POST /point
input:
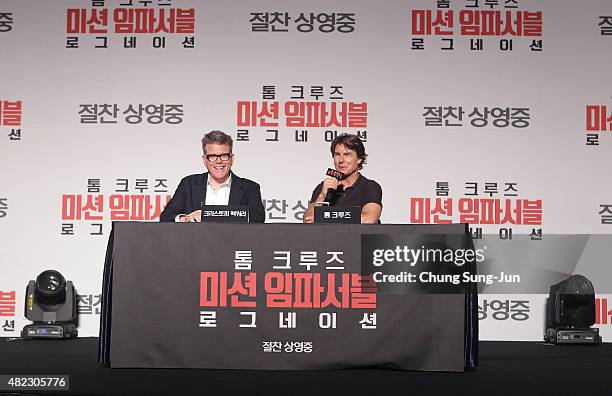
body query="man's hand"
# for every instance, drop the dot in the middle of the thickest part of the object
(193, 217)
(329, 182)
(309, 216)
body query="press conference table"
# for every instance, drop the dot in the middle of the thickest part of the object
(207, 296)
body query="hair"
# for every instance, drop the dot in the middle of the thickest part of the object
(351, 142)
(217, 137)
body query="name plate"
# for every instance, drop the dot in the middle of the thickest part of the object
(225, 214)
(337, 214)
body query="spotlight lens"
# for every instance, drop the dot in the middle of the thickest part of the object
(50, 283)
(581, 288)
(578, 284)
(50, 288)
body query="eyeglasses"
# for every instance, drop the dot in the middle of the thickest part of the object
(213, 157)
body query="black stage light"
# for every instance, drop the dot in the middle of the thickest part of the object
(570, 312)
(51, 304)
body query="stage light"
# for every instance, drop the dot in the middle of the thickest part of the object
(50, 288)
(51, 304)
(570, 312)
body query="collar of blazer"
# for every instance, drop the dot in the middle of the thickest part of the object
(235, 196)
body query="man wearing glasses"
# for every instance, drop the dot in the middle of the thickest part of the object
(219, 186)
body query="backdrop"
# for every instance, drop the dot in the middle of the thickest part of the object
(496, 113)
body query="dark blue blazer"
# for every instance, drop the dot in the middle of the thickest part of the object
(191, 192)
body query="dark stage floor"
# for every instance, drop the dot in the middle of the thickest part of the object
(518, 368)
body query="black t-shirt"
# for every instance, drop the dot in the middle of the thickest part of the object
(362, 192)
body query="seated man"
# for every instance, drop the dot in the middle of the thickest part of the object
(355, 189)
(219, 186)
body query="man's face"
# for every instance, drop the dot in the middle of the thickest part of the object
(217, 167)
(345, 160)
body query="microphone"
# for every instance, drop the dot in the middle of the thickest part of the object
(330, 196)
